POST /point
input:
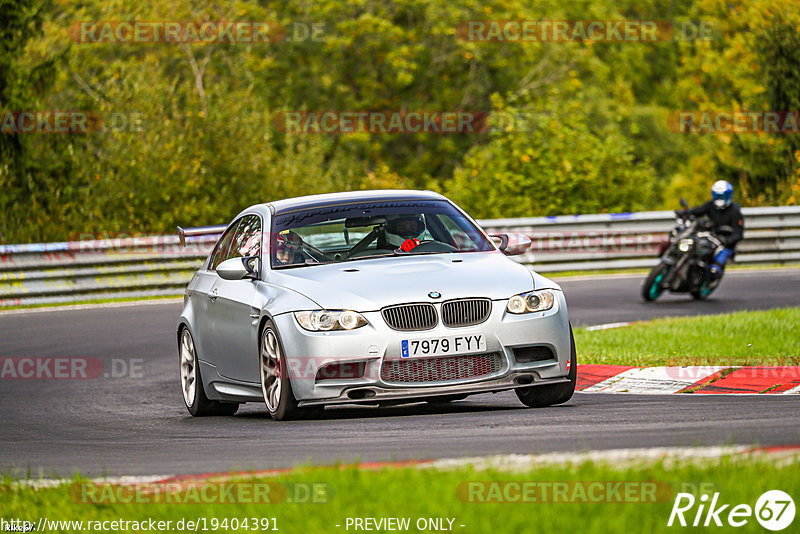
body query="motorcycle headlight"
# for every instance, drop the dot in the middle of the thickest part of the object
(685, 244)
(533, 301)
(325, 320)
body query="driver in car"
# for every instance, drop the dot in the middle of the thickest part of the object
(286, 251)
(722, 212)
(408, 228)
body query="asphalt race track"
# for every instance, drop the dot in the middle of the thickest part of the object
(136, 424)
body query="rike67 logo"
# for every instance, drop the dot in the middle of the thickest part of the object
(774, 510)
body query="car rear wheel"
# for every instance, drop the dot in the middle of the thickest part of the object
(194, 396)
(275, 383)
(539, 396)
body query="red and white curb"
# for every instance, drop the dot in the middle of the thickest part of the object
(689, 379)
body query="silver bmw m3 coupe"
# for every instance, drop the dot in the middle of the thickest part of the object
(371, 297)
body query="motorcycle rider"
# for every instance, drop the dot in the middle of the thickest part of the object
(722, 211)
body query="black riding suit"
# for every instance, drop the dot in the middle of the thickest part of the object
(730, 216)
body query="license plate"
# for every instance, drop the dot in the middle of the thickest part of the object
(443, 346)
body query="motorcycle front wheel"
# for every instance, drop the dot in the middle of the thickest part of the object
(652, 288)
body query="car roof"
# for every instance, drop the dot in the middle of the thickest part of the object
(332, 199)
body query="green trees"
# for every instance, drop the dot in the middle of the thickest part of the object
(554, 164)
(753, 64)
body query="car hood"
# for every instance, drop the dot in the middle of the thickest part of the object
(371, 284)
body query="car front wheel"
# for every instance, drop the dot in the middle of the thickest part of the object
(275, 383)
(539, 396)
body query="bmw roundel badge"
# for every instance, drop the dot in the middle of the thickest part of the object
(434, 294)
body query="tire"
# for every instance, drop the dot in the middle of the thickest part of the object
(276, 386)
(194, 396)
(541, 396)
(705, 289)
(650, 288)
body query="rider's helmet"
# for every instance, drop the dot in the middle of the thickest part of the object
(722, 194)
(406, 226)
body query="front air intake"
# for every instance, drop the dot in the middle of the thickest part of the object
(465, 312)
(410, 317)
(442, 369)
(537, 353)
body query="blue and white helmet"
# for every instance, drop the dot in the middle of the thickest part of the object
(722, 194)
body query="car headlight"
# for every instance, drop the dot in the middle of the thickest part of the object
(325, 320)
(533, 301)
(685, 244)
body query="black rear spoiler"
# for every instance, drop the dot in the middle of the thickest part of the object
(183, 233)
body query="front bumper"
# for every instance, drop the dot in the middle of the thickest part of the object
(376, 343)
(377, 394)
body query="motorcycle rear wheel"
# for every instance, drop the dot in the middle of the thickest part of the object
(705, 289)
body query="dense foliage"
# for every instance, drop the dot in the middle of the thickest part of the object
(201, 140)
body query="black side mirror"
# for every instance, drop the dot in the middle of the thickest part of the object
(684, 204)
(253, 265)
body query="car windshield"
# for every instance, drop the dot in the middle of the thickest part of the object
(371, 229)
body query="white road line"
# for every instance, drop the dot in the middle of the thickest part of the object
(607, 326)
(520, 462)
(41, 483)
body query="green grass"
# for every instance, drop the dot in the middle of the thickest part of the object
(743, 338)
(416, 493)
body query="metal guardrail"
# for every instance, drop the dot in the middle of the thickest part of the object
(633, 240)
(159, 265)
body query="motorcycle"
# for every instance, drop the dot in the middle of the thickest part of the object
(684, 261)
